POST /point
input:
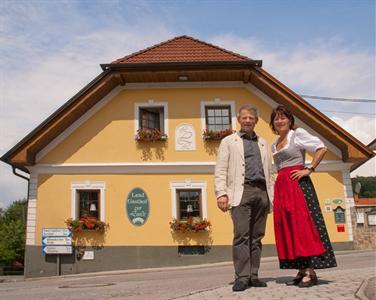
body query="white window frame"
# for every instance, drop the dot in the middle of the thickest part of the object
(88, 185)
(188, 185)
(218, 102)
(150, 104)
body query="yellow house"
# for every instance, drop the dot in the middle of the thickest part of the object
(136, 149)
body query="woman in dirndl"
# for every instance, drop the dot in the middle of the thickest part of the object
(302, 240)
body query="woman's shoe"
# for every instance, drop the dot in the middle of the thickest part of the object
(311, 282)
(296, 280)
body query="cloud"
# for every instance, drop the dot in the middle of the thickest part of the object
(49, 52)
(317, 67)
(364, 129)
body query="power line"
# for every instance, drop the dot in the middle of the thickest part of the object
(338, 99)
(347, 112)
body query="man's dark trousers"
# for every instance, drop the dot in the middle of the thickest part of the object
(249, 219)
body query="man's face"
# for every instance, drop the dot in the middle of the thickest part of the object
(247, 121)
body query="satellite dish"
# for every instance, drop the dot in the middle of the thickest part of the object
(357, 188)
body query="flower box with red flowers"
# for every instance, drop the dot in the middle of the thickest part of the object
(211, 135)
(192, 224)
(86, 223)
(150, 135)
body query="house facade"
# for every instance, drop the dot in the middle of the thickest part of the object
(134, 152)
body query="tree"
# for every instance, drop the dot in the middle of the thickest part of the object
(12, 233)
(368, 186)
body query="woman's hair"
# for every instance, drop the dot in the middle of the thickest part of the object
(281, 110)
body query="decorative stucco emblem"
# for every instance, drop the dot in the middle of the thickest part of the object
(185, 138)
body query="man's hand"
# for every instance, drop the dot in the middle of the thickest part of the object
(223, 203)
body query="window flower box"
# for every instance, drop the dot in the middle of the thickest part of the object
(211, 135)
(150, 135)
(193, 224)
(86, 223)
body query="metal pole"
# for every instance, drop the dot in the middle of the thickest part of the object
(58, 265)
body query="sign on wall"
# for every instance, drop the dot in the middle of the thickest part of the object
(339, 215)
(57, 241)
(137, 206)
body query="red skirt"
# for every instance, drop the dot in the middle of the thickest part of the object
(295, 232)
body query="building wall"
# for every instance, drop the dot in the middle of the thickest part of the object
(364, 234)
(55, 200)
(108, 136)
(101, 149)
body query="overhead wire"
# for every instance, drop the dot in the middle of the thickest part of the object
(342, 100)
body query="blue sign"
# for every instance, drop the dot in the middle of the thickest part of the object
(137, 206)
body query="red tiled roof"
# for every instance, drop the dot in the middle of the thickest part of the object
(365, 201)
(181, 49)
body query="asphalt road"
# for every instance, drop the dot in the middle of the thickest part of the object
(161, 283)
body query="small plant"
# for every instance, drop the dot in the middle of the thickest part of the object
(193, 224)
(211, 135)
(86, 223)
(150, 135)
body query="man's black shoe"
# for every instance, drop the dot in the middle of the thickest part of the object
(257, 283)
(239, 286)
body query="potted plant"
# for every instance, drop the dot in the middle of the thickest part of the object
(192, 224)
(86, 223)
(211, 135)
(150, 135)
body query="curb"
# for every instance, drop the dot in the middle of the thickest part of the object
(362, 291)
(160, 269)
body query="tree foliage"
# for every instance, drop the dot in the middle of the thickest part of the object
(368, 186)
(12, 233)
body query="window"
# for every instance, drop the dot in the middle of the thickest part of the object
(88, 203)
(371, 217)
(151, 115)
(151, 118)
(88, 198)
(189, 203)
(188, 198)
(218, 118)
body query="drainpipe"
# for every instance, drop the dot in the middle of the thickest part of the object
(28, 187)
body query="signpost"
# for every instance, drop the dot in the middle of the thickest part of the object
(57, 241)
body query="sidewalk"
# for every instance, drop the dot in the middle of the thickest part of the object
(332, 285)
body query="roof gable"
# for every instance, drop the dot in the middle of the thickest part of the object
(199, 62)
(181, 49)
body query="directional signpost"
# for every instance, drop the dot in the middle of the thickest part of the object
(57, 241)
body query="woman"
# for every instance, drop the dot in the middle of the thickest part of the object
(301, 237)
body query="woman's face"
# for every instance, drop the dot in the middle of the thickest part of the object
(281, 123)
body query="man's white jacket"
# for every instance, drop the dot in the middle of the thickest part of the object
(230, 169)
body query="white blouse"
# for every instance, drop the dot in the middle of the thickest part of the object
(303, 140)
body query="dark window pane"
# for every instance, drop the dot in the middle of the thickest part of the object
(88, 203)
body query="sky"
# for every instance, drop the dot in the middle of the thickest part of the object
(49, 50)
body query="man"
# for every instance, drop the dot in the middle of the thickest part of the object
(243, 183)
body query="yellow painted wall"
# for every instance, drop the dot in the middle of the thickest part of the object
(54, 206)
(108, 136)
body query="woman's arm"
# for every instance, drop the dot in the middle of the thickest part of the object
(317, 157)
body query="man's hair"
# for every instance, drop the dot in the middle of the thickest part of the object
(249, 108)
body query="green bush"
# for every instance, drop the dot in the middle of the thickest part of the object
(12, 233)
